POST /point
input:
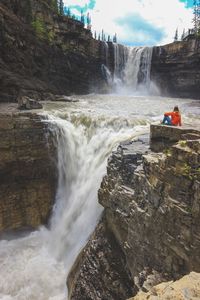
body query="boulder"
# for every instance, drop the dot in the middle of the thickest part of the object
(26, 103)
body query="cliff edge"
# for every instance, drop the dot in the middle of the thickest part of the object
(151, 200)
(43, 53)
(176, 69)
(28, 170)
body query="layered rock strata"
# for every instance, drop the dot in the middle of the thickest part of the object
(27, 171)
(102, 256)
(152, 209)
(176, 68)
(43, 53)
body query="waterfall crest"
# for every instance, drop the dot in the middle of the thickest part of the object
(131, 69)
(83, 146)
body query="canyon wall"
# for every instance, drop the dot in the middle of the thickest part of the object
(28, 172)
(43, 53)
(176, 69)
(151, 210)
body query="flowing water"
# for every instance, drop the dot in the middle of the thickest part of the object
(35, 266)
(131, 71)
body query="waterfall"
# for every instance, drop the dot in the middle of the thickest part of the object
(131, 69)
(105, 50)
(137, 69)
(145, 67)
(35, 265)
(120, 54)
(83, 147)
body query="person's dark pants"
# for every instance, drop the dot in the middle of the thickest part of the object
(167, 120)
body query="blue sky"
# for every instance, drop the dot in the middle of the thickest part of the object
(137, 22)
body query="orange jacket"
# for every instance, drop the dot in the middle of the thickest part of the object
(175, 117)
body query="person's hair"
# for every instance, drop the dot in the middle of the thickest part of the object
(176, 108)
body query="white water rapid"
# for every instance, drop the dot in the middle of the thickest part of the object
(35, 266)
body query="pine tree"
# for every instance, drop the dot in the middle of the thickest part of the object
(60, 7)
(196, 18)
(176, 35)
(115, 38)
(95, 35)
(68, 12)
(183, 35)
(82, 18)
(102, 35)
(88, 21)
(108, 38)
(54, 5)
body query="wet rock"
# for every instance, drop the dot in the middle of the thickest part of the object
(100, 271)
(25, 103)
(64, 98)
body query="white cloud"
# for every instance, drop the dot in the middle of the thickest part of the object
(164, 14)
(76, 2)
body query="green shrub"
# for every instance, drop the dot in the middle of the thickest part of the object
(39, 27)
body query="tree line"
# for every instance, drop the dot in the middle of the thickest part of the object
(195, 31)
(62, 10)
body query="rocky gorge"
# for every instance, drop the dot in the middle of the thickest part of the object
(149, 229)
(43, 54)
(151, 212)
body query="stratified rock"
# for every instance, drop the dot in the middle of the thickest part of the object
(25, 103)
(43, 53)
(100, 270)
(28, 171)
(151, 215)
(152, 208)
(176, 68)
(163, 136)
(188, 287)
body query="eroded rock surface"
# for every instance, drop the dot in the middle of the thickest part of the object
(152, 208)
(176, 68)
(102, 256)
(187, 288)
(27, 171)
(43, 53)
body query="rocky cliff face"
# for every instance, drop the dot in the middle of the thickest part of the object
(43, 53)
(27, 171)
(152, 209)
(176, 68)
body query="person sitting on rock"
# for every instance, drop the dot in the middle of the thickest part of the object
(172, 118)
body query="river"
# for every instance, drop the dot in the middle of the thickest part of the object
(34, 266)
